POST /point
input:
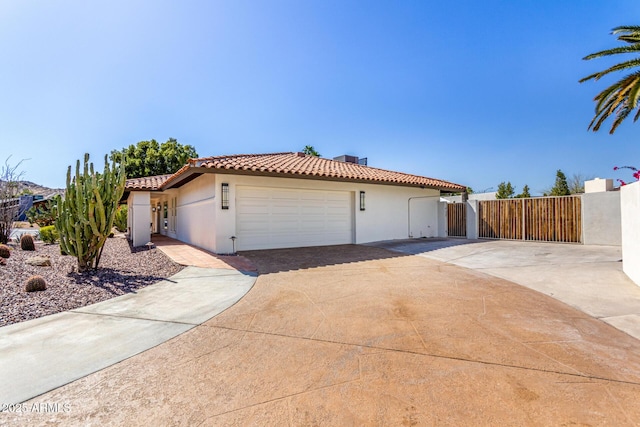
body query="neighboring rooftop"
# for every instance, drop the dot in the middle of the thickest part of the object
(290, 165)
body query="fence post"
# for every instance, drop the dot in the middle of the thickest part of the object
(472, 219)
(524, 219)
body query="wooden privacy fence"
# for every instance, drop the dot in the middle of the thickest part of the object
(457, 219)
(547, 219)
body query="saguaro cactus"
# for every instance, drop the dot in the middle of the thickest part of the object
(85, 216)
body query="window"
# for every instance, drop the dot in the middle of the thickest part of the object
(225, 195)
(362, 200)
(165, 211)
(174, 213)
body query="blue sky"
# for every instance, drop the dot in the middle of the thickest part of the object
(475, 92)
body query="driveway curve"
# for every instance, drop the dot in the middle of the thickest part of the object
(353, 335)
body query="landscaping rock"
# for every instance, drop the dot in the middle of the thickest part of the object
(39, 261)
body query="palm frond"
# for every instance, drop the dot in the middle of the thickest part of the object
(622, 114)
(632, 63)
(603, 97)
(614, 51)
(626, 29)
(634, 90)
(621, 98)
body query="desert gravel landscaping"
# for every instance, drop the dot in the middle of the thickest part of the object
(122, 270)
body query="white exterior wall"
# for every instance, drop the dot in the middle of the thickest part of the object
(423, 216)
(630, 213)
(385, 217)
(598, 185)
(472, 219)
(601, 223)
(196, 219)
(443, 225)
(139, 217)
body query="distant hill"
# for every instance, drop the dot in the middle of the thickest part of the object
(37, 189)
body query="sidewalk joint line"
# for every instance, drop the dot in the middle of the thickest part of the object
(122, 316)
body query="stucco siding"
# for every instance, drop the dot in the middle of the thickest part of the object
(386, 214)
(630, 209)
(196, 213)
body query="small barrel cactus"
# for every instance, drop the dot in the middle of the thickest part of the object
(26, 243)
(5, 251)
(35, 283)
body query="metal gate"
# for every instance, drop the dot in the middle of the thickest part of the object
(546, 219)
(457, 219)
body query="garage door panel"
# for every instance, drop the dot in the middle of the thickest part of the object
(279, 218)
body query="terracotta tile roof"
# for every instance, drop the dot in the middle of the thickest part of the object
(146, 183)
(298, 164)
(292, 164)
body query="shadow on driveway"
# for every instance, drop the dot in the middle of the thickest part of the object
(280, 260)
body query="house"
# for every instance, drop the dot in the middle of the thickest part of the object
(266, 201)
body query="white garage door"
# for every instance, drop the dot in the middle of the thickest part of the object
(269, 218)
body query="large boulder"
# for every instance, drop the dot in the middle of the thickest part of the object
(39, 261)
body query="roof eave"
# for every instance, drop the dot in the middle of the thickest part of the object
(194, 172)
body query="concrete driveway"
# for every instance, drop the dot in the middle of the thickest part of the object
(353, 335)
(589, 278)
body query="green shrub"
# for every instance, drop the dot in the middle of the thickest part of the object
(49, 234)
(120, 220)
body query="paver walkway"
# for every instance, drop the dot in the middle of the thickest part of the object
(186, 254)
(351, 335)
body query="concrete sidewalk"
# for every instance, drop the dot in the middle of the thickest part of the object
(586, 277)
(43, 354)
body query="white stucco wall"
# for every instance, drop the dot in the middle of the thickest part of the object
(202, 222)
(472, 219)
(442, 219)
(601, 224)
(139, 217)
(423, 216)
(630, 214)
(196, 219)
(392, 212)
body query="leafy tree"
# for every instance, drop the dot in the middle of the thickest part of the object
(525, 193)
(621, 98)
(310, 151)
(85, 217)
(505, 190)
(560, 188)
(149, 158)
(9, 191)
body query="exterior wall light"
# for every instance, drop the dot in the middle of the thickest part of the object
(362, 200)
(225, 195)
